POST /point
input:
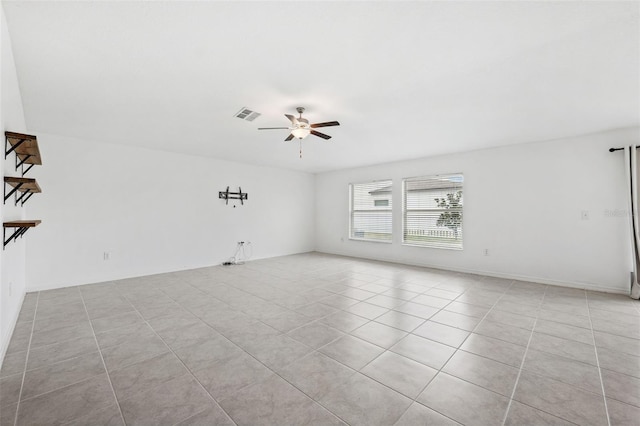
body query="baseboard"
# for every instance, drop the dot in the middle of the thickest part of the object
(13, 321)
(539, 280)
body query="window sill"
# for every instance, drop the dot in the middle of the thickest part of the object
(370, 241)
(433, 247)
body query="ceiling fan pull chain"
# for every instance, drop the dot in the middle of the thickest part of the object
(300, 140)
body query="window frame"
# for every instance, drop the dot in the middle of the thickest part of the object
(388, 208)
(404, 213)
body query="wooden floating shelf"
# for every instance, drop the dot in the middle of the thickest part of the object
(25, 147)
(26, 186)
(21, 227)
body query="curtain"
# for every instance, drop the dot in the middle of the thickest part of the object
(631, 163)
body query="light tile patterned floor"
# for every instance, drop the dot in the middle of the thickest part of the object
(319, 339)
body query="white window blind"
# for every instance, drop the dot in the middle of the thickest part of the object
(370, 211)
(432, 213)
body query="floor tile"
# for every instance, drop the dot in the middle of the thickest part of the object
(417, 310)
(344, 321)
(497, 330)
(467, 309)
(10, 389)
(228, 376)
(450, 336)
(619, 362)
(426, 351)
(54, 376)
(43, 338)
(13, 363)
(400, 373)
(464, 402)
(135, 378)
(316, 374)
(214, 415)
(400, 320)
(367, 310)
(560, 399)
(276, 402)
(498, 350)
(514, 320)
(565, 331)
(520, 414)
(45, 355)
(363, 401)
(286, 322)
(206, 352)
(621, 387)
(566, 348)
(617, 343)
(8, 415)
(176, 337)
(622, 414)
(434, 302)
(278, 351)
(116, 321)
(66, 404)
(453, 319)
(565, 370)
(108, 416)
(352, 352)
(489, 374)
(124, 335)
(315, 334)
(419, 415)
(379, 334)
(131, 352)
(168, 403)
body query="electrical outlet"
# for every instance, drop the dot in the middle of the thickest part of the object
(106, 255)
(486, 252)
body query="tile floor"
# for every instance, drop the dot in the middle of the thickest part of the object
(319, 339)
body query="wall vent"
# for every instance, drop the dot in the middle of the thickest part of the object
(246, 114)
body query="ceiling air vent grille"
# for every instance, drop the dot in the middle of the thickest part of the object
(246, 114)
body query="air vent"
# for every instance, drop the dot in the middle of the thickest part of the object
(246, 114)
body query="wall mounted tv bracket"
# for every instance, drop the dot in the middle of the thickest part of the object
(226, 195)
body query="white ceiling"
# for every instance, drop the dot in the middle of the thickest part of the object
(405, 79)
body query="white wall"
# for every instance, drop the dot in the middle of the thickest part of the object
(523, 203)
(12, 260)
(155, 212)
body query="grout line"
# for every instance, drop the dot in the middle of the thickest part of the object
(524, 358)
(102, 359)
(24, 372)
(595, 349)
(415, 400)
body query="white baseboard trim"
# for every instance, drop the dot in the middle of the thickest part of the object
(517, 277)
(12, 326)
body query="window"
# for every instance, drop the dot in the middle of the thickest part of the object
(432, 214)
(370, 210)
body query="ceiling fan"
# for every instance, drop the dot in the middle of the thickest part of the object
(300, 127)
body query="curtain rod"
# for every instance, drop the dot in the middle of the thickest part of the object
(620, 149)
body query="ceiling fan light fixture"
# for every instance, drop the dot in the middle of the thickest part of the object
(301, 133)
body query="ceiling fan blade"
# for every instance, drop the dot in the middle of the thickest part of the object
(322, 135)
(294, 120)
(325, 124)
(272, 128)
(289, 137)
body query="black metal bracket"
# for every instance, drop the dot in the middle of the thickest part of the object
(8, 150)
(19, 232)
(20, 164)
(13, 191)
(226, 195)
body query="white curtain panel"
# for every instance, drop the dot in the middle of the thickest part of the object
(631, 163)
